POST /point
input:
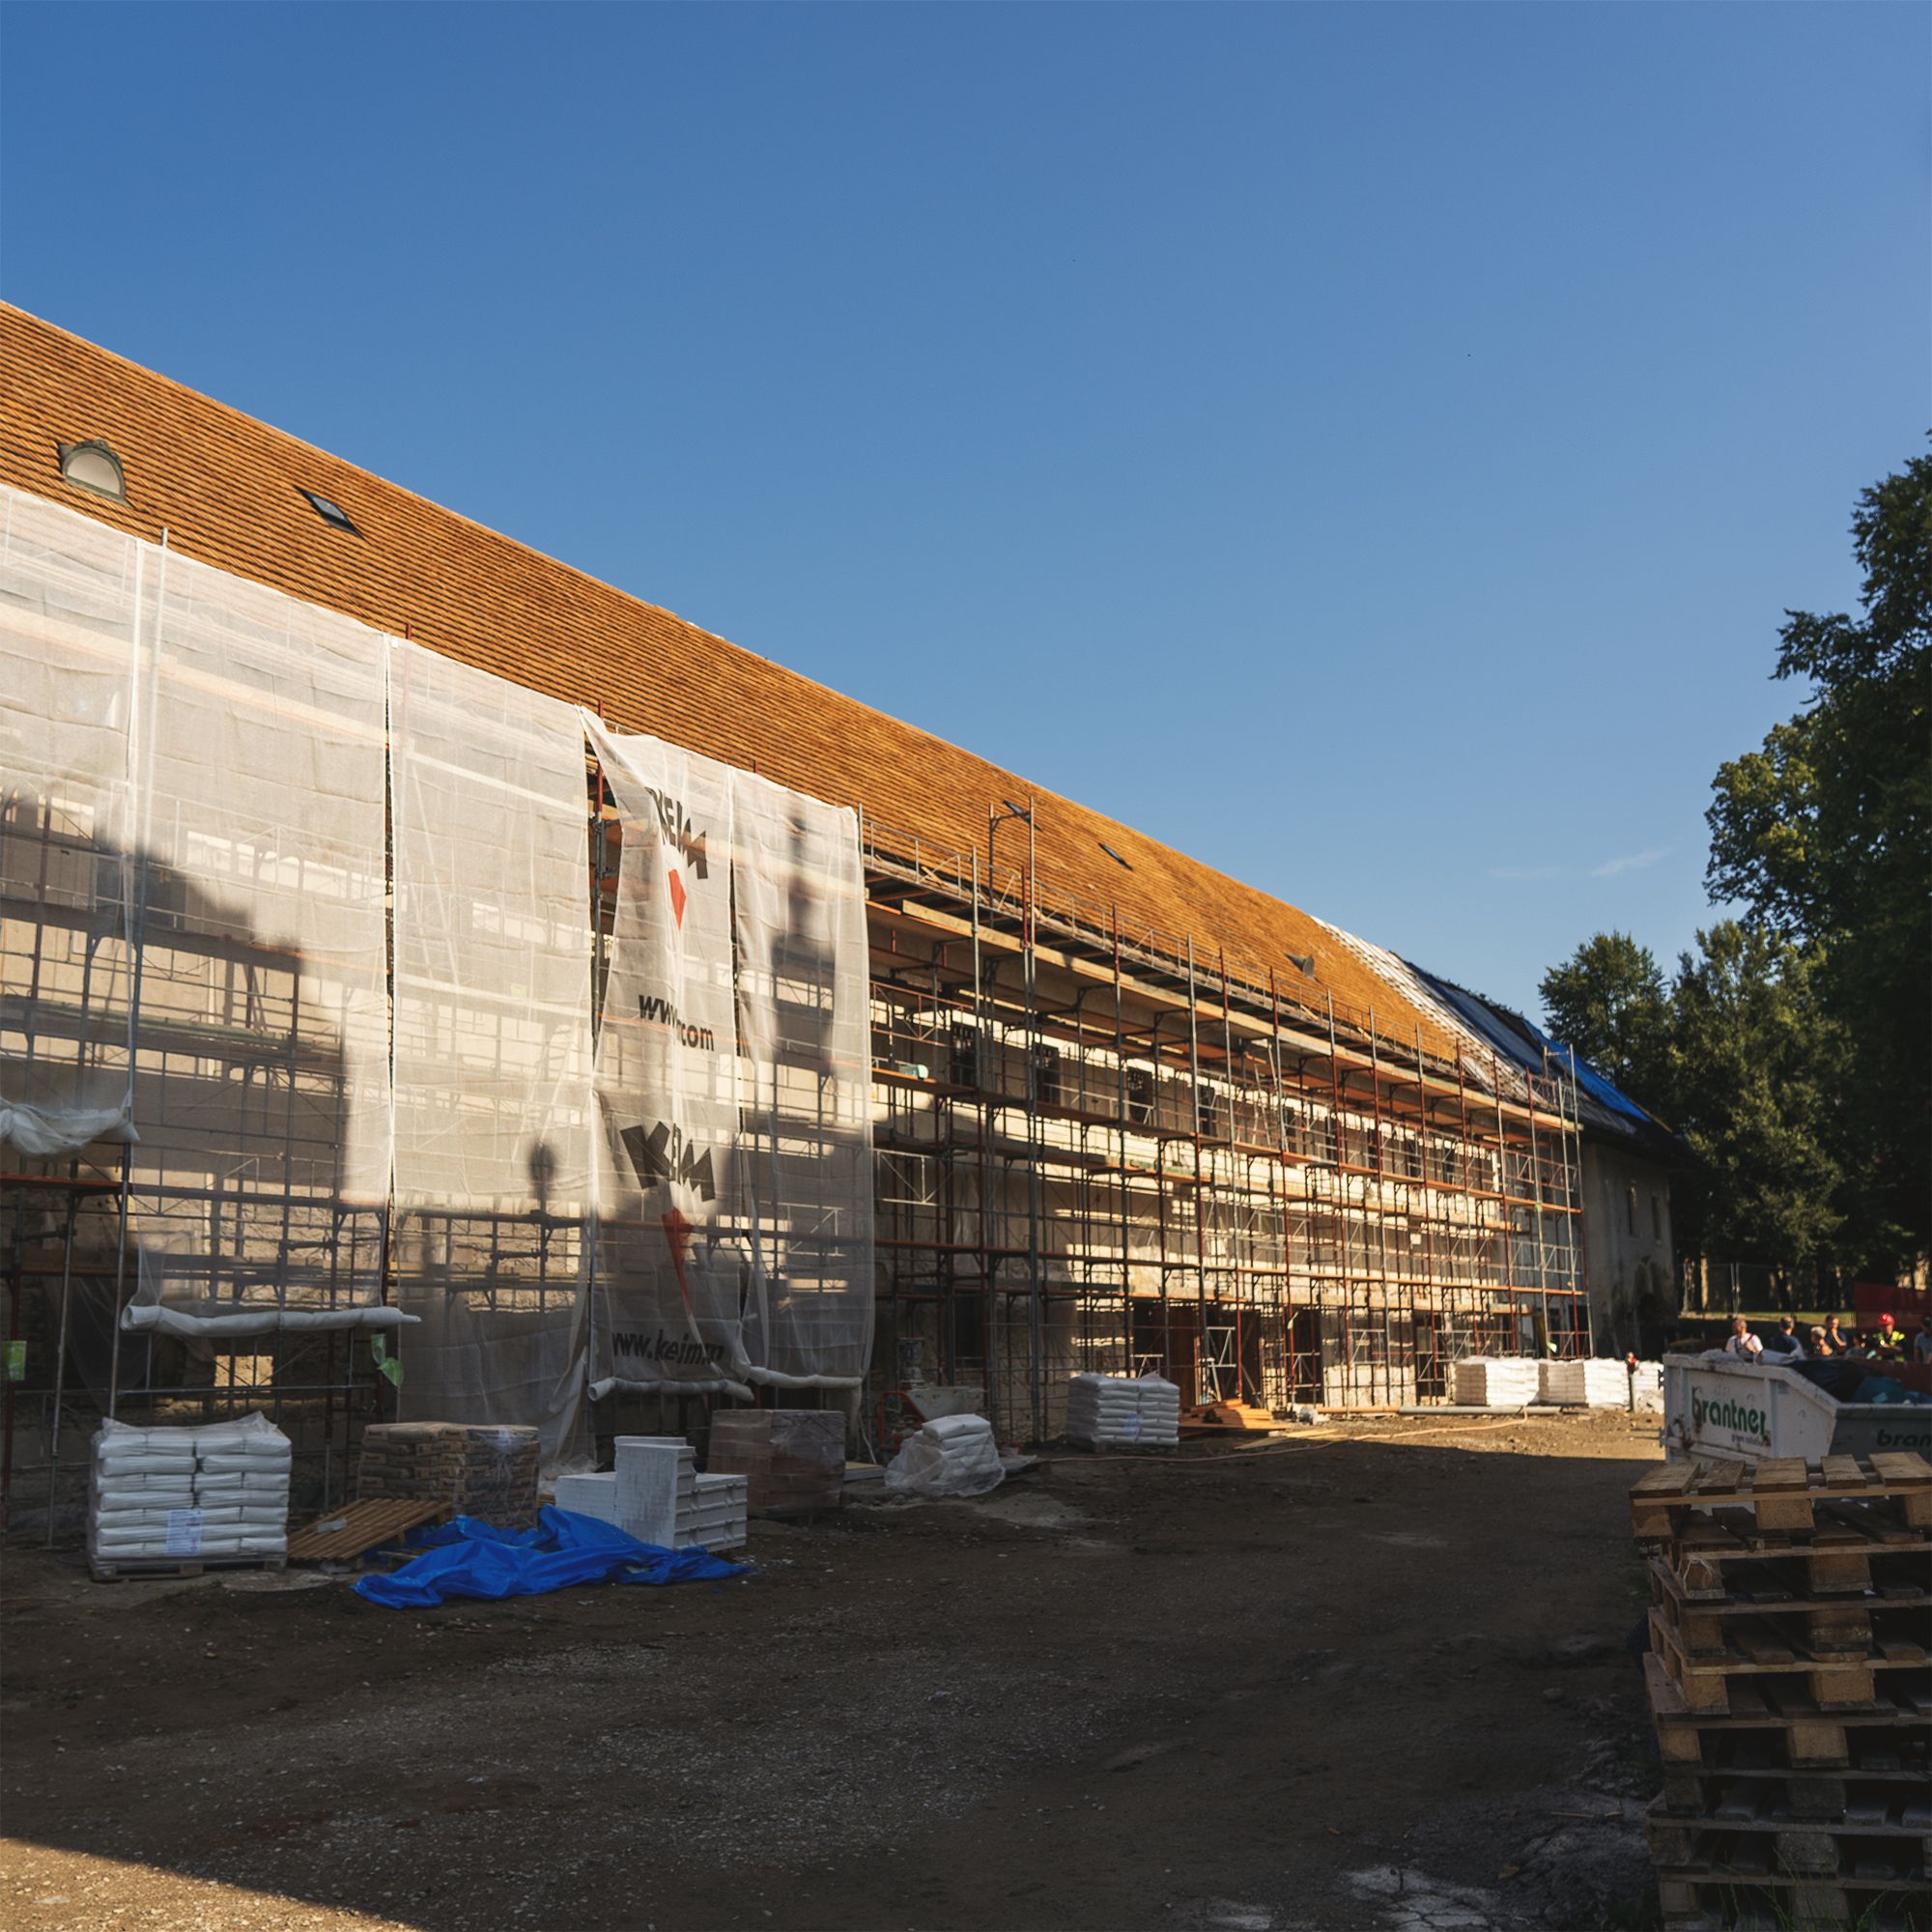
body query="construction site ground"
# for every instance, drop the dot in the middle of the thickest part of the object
(1361, 1676)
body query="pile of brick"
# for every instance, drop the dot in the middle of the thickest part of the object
(792, 1458)
(487, 1470)
(1789, 1681)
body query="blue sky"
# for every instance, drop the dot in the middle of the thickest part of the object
(1370, 447)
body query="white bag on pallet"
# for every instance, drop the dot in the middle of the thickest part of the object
(181, 1495)
(1497, 1381)
(1592, 1383)
(1104, 1411)
(954, 1456)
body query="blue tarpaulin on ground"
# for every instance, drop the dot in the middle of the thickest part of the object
(468, 1558)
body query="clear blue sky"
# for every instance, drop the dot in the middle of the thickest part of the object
(1369, 447)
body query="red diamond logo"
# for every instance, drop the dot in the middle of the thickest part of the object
(678, 896)
(677, 1232)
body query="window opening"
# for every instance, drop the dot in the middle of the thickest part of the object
(93, 466)
(332, 514)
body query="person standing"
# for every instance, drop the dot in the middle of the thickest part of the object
(1742, 1341)
(1784, 1346)
(1835, 1343)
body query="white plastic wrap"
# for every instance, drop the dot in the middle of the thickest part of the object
(806, 1141)
(673, 1257)
(69, 594)
(953, 1457)
(194, 874)
(1104, 1411)
(219, 1491)
(493, 958)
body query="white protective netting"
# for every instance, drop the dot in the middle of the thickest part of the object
(804, 1156)
(672, 1263)
(733, 1085)
(195, 955)
(493, 956)
(211, 794)
(69, 589)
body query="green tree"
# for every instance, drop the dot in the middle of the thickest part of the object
(1607, 1000)
(1826, 834)
(1755, 1065)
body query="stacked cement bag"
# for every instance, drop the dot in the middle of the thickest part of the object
(1585, 1385)
(219, 1493)
(481, 1469)
(952, 1456)
(1495, 1381)
(1123, 1411)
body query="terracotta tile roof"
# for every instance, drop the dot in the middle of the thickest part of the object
(226, 488)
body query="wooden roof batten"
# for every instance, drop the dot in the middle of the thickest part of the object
(228, 492)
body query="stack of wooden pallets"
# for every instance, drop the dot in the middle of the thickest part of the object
(484, 1470)
(1791, 1684)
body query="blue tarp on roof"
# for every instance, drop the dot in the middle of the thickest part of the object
(1525, 1044)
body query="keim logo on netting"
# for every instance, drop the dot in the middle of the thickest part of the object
(663, 1347)
(675, 824)
(656, 1012)
(665, 1152)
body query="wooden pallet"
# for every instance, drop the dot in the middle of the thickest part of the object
(1779, 1494)
(117, 1569)
(1224, 1418)
(1787, 1631)
(341, 1535)
(1699, 1574)
(1779, 1709)
(1901, 1802)
(1712, 1557)
(1736, 1798)
(1710, 1681)
(1695, 1900)
(1893, 1862)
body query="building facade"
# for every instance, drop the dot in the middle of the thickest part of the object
(1127, 1113)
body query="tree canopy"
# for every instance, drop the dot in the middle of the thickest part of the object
(1825, 833)
(1608, 1002)
(1794, 1050)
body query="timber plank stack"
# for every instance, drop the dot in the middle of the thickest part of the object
(481, 1469)
(1791, 1684)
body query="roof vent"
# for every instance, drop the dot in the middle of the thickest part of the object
(93, 466)
(331, 514)
(1303, 963)
(1112, 854)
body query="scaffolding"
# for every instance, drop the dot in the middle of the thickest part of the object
(1093, 1145)
(1097, 1149)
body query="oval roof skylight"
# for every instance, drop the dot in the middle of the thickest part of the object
(93, 466)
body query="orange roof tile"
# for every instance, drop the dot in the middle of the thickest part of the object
(225, 489)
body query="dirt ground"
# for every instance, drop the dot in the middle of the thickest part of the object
(1369, 1677)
